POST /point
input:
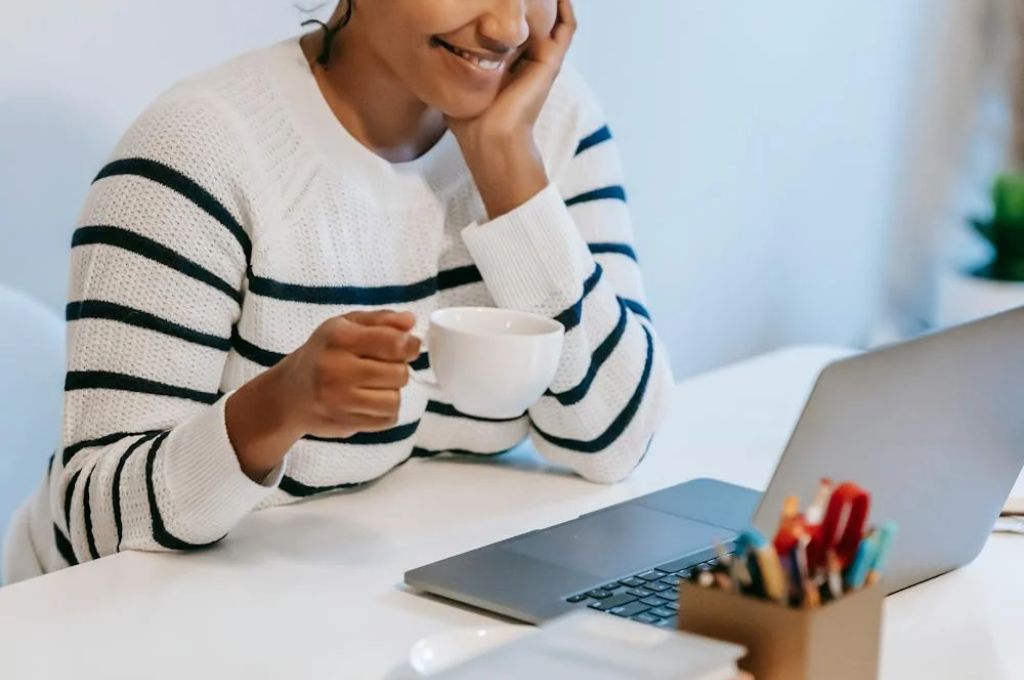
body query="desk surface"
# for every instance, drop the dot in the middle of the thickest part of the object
(314, 590)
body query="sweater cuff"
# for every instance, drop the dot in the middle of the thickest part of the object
(205, 478)
(532, 259)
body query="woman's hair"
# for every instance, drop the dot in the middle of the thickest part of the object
(331, 32)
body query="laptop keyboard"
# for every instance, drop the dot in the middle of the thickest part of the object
(650, 596)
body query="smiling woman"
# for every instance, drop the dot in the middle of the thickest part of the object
(253, 266)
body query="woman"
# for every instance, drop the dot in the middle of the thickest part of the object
(249, 270)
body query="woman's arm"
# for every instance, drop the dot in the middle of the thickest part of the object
(157, 266)
(568, 253)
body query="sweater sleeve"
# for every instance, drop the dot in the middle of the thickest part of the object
(158, 262)
(568, 253)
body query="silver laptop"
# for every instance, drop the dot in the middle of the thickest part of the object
(933, 427)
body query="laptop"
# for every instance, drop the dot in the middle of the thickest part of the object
(932, 427)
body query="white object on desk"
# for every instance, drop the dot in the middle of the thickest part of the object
(441, 651)
(319, 584)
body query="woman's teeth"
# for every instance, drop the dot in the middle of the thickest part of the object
(485, 64)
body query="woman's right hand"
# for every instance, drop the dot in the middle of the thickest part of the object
(346, 378)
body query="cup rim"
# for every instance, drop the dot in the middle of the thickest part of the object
(553, 326)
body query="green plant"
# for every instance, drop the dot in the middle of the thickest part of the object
(1005, 231)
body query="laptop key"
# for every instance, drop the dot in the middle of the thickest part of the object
(657, 586)
(685, 574)
(676, 565)
(629, 610)
(640, 592)
(671, 580)
(662, 612)
(599, 594)
(612, 587)
(652, 575)
(645, 618)
(576, 598)
(632, 582)
(613, 601)
(674, 606)
(670, 622)
(654, 601)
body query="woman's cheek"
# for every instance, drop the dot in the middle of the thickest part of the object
(541, 16)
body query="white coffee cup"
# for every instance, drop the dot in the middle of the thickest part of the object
(491, 363)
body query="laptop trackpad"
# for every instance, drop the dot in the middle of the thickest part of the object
(617, 541)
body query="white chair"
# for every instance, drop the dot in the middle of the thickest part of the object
(31, 387)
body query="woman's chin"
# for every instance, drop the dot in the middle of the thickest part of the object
(465, 107)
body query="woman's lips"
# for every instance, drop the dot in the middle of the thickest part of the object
(489, 63)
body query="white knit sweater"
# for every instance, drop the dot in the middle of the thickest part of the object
(235, 216)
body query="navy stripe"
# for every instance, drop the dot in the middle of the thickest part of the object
(64, 546)
(87, 510)
(613, 248)
(395, 434)
(69, 493)
(614, 192)
(597, 359)
(116, 485)
(152, 250)
(364, 295)
(427, 453)
(263, 357)
(160, 533)
(108, 380)
(599, 137)
(293, 487)
(187, 187)
(100, 309)
(458, 276)
(636, 308)
(421, 363)
(621, 422)
(71, 450)
(448, 410)
(571, 317)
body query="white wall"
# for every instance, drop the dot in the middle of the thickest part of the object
(764, 142)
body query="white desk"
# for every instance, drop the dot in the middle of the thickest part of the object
(314, 591)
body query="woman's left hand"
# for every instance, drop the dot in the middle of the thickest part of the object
(498, 145)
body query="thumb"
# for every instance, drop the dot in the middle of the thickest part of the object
(401, 321)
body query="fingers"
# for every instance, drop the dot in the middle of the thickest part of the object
(382, 404)
(402, 321)
(565, 27)
(384, 343)
(380, 375)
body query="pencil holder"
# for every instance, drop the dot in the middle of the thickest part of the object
(837, 641)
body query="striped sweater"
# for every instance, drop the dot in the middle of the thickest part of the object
(234, 217)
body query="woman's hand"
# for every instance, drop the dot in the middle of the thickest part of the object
(345, 379)
(498, 145)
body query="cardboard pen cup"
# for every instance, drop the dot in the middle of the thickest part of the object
(838, 641)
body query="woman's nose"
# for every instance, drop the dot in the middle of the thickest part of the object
(505, 23)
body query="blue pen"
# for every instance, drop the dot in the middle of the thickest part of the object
(867, 553)
(885, 536)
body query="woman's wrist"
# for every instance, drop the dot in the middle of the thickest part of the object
(508, 170)
(260, 424)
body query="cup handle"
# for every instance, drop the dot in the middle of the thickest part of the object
(431, 387)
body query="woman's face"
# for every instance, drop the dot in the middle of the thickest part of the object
(452, 54)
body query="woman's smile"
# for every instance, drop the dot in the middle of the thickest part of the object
(484, 61)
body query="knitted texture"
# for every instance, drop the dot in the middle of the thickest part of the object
(234, 217)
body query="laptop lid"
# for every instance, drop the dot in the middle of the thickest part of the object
(933, 428)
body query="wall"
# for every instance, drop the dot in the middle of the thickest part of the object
(763, 140)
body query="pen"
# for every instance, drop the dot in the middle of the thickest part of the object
(867, 552)
(816, 510)
(771, 574)
(835, 574)
(885, 535)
